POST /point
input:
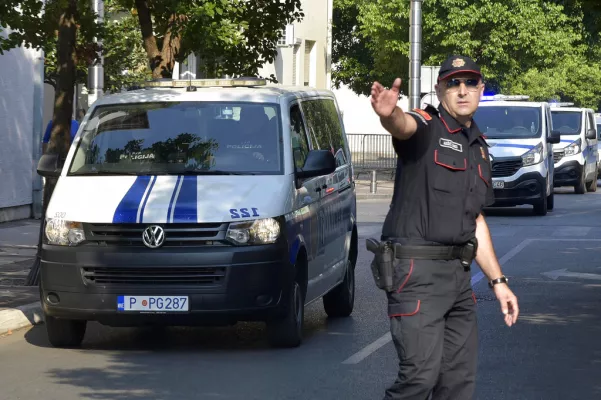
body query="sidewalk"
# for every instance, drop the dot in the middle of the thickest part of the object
(19, 304)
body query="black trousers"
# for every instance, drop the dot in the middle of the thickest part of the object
(434, 329)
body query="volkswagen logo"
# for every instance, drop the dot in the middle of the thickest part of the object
(153, 236)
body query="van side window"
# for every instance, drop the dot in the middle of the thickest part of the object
(300, 145)
(325, 128)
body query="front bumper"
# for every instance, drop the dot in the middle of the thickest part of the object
(568, 174)
(528, 188)
(225, 284)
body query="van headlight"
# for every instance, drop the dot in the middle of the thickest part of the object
(533, 156)
(573, 148)
(64, 233)
(258, 231)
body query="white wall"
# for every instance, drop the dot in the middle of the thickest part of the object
(16, 127)
(313, 27)
(358, 114)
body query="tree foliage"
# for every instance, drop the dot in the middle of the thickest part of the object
(233, 37)
(546, 49)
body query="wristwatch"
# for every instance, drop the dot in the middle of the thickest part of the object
(502, 279)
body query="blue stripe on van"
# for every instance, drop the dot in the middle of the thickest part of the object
(152, 182)
(186, 205)
(179, 178)
(127, 210)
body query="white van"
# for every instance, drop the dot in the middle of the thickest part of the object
(201, 202)
(521, 150)
(576, 157)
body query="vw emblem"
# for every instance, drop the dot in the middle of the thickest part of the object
(153, 236)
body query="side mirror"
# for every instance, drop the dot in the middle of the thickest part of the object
(319, 162)
(48, 166)
(554, 137)
(591, 134)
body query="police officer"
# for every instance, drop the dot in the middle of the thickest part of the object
(436, 229)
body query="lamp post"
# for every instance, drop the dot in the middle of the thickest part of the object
(415, 43)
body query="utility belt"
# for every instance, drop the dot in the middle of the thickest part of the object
(387, 251)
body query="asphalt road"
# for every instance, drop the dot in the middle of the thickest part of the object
(554, 351)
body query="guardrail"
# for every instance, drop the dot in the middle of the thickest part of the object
(372, 152)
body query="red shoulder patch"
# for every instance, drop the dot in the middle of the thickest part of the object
(424, 114)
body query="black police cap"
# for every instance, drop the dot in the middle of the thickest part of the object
(456, 64)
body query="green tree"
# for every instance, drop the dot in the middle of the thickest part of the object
(520, 44)
(234, 37)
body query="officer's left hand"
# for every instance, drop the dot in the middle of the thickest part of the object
(509, 303)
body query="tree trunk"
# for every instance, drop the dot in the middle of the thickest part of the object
(161, 62)
(60, 137)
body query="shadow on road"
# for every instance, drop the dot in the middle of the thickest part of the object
(202, 363)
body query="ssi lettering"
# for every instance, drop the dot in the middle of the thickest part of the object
(60, 215)
(244, 212)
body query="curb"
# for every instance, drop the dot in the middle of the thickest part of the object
(20, 317)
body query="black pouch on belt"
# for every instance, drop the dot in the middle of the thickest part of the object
(382, 267)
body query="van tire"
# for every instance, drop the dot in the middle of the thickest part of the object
(591, 186)
(551, 200)
(541, 207)
(65, 332)
(580, 188)
(287, 330)
(340, 301)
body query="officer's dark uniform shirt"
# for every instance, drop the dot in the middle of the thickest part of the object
(445, 180)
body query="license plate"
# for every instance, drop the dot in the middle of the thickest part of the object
(153, 303)
(498, 184)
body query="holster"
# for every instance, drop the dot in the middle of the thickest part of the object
(382, 267)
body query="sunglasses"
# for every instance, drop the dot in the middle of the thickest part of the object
(471, 84)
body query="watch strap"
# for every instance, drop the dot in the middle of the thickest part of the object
(493, 282)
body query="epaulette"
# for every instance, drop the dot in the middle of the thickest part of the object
(423, 115)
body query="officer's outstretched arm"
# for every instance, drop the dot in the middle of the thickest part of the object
(392, 117)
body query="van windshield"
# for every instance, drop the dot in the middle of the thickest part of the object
(509, 122)
(567, 122)
(165, 138)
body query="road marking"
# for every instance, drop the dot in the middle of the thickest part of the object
(572, 231)
(512, 253)
(564, 272)
(368, 350)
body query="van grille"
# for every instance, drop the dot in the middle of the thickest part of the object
(506, 167)
(176, 235)
(204, 276)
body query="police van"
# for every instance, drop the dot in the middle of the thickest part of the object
(201, 202)
(576, 157)
(521, 140)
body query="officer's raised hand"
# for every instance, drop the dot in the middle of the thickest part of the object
(384, 100)
(393, 119)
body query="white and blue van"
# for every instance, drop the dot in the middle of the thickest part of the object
(521, 140)
(576, 157)
(201, 202)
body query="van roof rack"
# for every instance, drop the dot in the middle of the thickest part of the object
(504, 97)
(192, 84)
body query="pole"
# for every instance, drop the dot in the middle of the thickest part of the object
(415, 41)
(38, 128)
(96, 70)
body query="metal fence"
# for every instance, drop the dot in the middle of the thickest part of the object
(372, 152)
